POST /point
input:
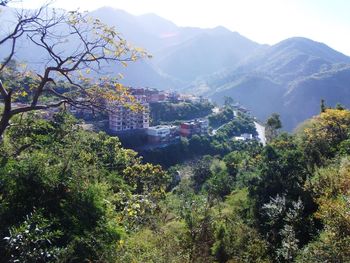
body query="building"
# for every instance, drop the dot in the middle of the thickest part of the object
(244, 137)
(122, 118)
(162, 134)
(150, 95)
(247, 136)
(198, 126)
(173, 97)
(203, 126)
(189, 98)
(240, 108)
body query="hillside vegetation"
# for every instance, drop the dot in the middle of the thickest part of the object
(290, 77)
(69, 195)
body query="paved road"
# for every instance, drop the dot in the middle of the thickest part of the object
(261, 132)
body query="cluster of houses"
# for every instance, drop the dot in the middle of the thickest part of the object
(170, 133)
(123, 119)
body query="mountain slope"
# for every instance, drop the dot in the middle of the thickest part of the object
(305, 94)
(290, 77)
(181, 54)
(206, 53)
(184, 53)
(294, 57)
(300, 71)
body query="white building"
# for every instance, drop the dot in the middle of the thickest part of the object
(244, 137)
(247, 136)
(162, 133)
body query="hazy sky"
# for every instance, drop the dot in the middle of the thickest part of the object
(264, 21)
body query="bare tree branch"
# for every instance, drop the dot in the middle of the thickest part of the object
(70, 42)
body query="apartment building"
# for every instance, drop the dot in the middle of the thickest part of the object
(198, 126)
(122, 118)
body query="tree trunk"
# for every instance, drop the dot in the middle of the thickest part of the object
(6, 114)
(5, 121)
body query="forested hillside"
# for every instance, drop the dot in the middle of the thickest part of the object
(291, 78)
(69, 195)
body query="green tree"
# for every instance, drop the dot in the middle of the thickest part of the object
(220, 183)
(195, 211)
(201, 172)
(330, 188)
(321, 136)
(83, 183)
(282, 174)
(235, 239)
(323, 106)
(339, 106)
(32, 241)
(273, 124)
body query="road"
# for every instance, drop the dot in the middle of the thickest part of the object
(214, 131)
(261, 132)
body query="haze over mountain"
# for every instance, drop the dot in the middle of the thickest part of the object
(181, 52)
(290, 77)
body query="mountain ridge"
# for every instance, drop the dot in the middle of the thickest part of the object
(296, 65)
(217, 62)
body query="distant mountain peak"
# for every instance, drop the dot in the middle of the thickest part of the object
(154, 17)
(109, 10)
(221, 30)
(312, 47)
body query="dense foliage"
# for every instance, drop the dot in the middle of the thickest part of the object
(222, 117)
(198, 145)
(161, 112)
(273, 204)
(68, 195)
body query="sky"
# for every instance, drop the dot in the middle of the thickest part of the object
(263, 21)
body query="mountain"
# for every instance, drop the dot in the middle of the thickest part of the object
(290, 78)
(304, 95)
(294, 57)
(181, 52)
(208, 52)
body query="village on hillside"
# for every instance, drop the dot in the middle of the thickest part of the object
(128, 123)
